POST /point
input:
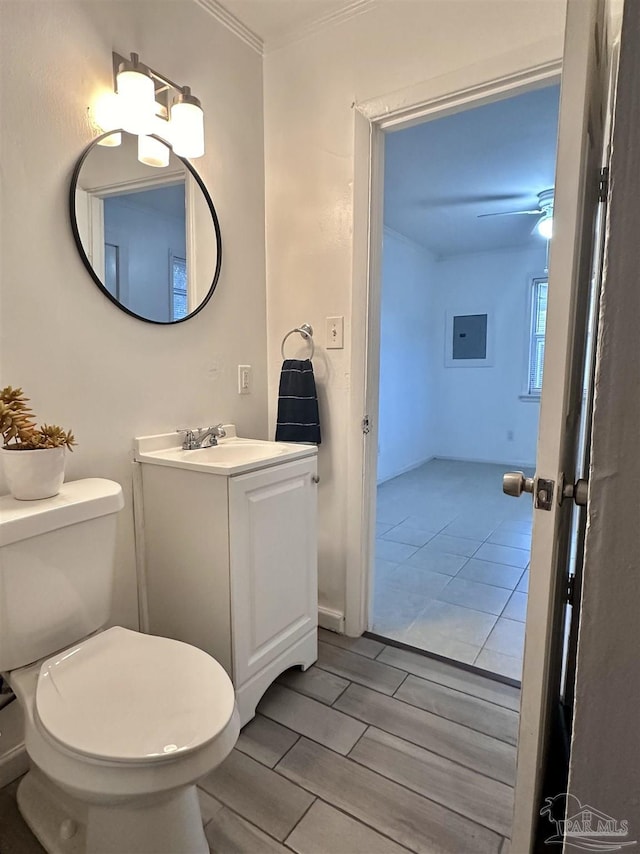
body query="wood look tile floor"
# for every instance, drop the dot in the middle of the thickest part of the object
(374, 750)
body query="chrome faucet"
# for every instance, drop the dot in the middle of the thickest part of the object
(202, 437)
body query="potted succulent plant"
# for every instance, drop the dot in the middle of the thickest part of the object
(33, 457)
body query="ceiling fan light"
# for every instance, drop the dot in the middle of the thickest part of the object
(545, 227)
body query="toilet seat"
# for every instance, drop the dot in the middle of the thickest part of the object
(126, 697)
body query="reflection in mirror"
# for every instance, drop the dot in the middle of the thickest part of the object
(149, 236)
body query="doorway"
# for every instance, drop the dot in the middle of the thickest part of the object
(579, 189)
(462, 323)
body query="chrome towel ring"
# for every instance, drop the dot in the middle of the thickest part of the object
(307, 333)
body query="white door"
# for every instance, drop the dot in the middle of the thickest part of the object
(580, 153)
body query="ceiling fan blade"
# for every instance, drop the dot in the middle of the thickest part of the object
(450, 201)
(512, 213)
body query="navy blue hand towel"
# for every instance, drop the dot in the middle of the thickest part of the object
(298, 419)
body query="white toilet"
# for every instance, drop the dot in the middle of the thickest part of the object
(119, 726)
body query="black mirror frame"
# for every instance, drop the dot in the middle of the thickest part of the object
(87, 263)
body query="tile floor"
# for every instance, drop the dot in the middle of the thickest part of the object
(452, 557)
(374, 750)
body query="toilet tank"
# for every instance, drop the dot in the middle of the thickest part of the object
(56, 568)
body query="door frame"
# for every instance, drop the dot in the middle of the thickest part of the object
(431, 99)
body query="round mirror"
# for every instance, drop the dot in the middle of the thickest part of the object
(149, 236)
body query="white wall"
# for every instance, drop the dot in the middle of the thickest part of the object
(406, 410)
(84, 363)
(477, 407)
(429, 409)
(310, 88)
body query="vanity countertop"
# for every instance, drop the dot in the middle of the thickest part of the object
(231, 456)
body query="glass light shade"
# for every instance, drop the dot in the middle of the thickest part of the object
(187, 129)
(545, 227)
(106, 113)
(112, 140)
(136, 97)
(152, 152)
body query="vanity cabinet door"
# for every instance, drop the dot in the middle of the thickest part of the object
(273, 566)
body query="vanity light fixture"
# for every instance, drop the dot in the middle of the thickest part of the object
(107, 116)
(146, 102)
(136, 95)
(152, 151)
(187, 122)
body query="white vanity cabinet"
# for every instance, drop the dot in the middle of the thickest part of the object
(230, 565)
(272, 549)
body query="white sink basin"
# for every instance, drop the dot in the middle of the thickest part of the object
(233, 452)
(230, 456)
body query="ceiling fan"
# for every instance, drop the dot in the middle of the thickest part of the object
(544, 212)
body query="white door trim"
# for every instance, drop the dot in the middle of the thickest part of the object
(437, 97)
(119, 188)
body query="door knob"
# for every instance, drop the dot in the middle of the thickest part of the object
(515, 483)
(579, 491)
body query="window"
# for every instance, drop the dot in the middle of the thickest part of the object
(538, 329)
(179, 308)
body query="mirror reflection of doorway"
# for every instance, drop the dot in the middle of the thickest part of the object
(463, 316)
(144, 236)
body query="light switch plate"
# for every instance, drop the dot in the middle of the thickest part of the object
(244, 379)
(335, 333)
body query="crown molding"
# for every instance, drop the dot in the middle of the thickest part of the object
(235, 25)
(238, 28)
(357, 7)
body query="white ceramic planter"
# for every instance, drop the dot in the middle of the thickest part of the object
(33, 474)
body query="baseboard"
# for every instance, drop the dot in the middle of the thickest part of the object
(331, 620)
(506, 464)
(13, 756)
(407, 469)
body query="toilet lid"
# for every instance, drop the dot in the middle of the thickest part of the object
(125, 696)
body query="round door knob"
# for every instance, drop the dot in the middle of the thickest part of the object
(579, 491)
(515, 483)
